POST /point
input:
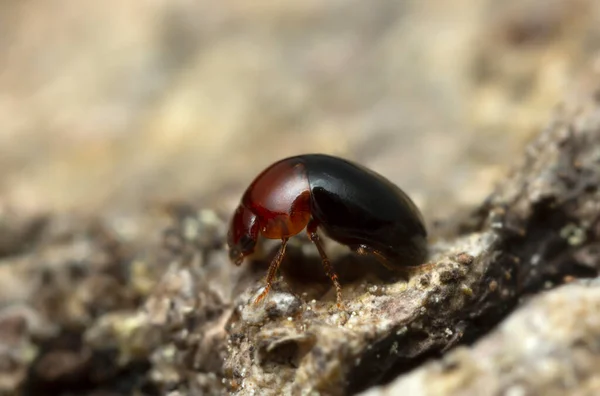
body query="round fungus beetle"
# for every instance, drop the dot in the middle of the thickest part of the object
(348, 202)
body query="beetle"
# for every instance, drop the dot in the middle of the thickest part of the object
(350, 203)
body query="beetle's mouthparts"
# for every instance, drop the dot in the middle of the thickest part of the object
(236, 256)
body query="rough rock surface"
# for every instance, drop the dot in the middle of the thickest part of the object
(549, 346)
(109, 111)
(104, 305)
(542, 225)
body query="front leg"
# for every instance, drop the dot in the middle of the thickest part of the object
(273, 270)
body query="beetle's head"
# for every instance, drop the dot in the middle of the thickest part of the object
(242, 235)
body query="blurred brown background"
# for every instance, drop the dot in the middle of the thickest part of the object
(115, 105)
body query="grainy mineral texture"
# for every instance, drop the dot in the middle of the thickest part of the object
(549, 346)
(540, 226)
(128, 131)
(109, 303)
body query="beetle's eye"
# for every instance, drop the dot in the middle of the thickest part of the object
(247, 243)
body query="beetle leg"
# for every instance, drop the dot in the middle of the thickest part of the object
(273, 270)
(365, 250)
(311, 229)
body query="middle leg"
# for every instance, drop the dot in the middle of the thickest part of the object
(311, 229)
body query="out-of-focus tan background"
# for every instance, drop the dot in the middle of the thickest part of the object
(115, 105)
